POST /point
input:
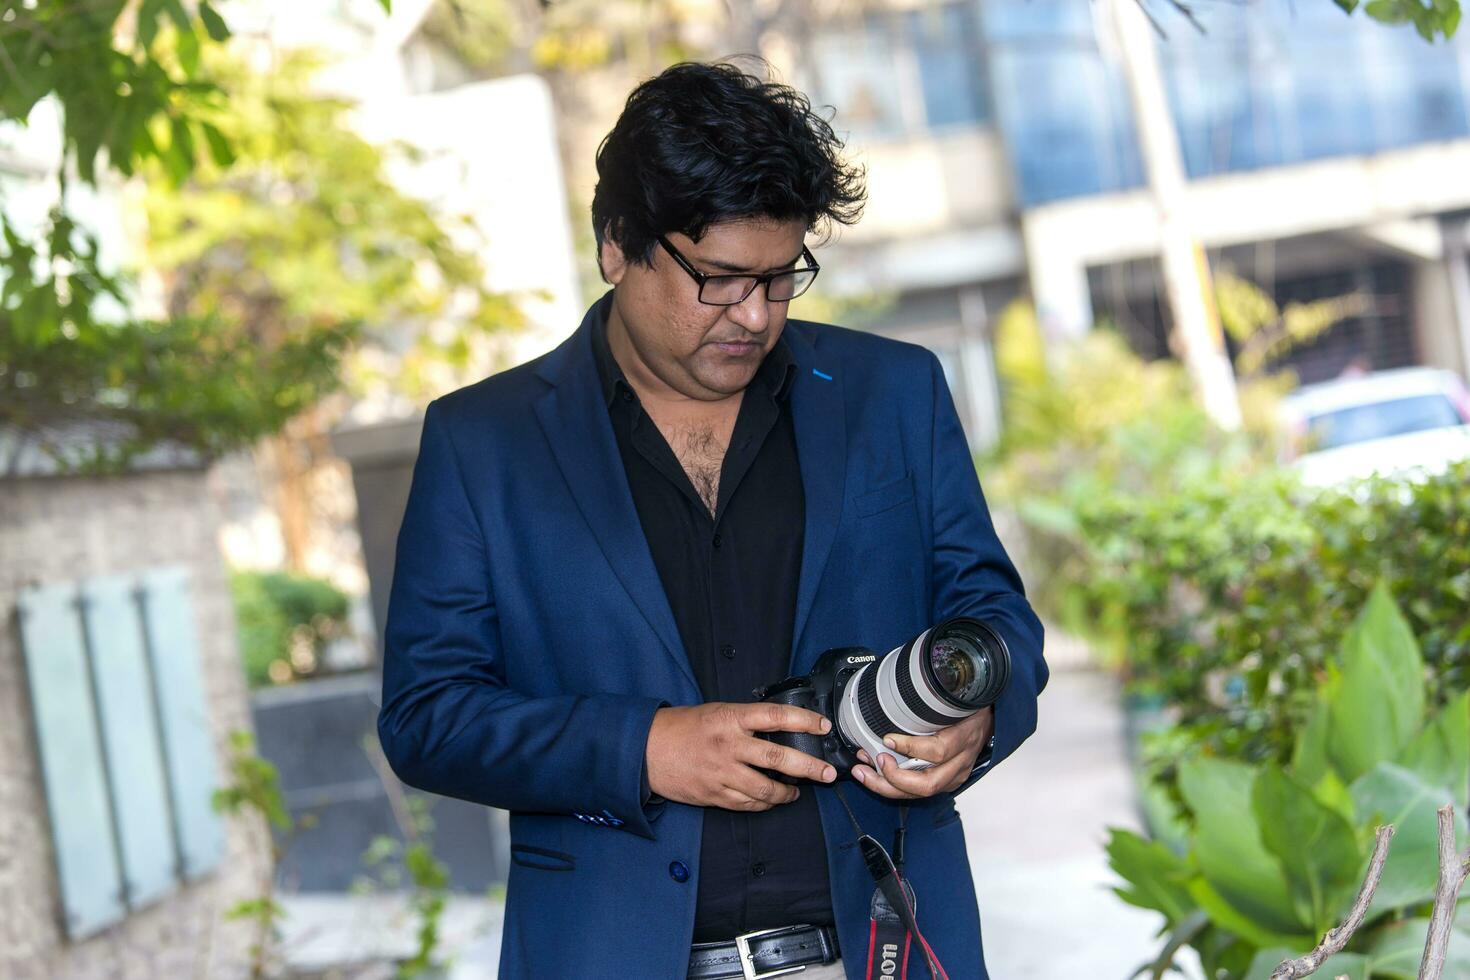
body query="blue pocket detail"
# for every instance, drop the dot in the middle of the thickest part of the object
(541, 858)
(884, 498)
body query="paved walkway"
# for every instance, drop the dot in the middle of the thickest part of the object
(1035, 828)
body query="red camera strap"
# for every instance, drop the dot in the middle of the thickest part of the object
(888, 938)
(893, 924)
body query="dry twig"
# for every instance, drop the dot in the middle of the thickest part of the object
(1453, 867)
(1337, 938)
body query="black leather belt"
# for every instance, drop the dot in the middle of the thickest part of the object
(768, 953)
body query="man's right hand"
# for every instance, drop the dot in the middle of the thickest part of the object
(707, 755)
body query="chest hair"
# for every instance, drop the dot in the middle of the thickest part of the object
(701, 451)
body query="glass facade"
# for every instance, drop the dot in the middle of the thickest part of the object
(1268, 83)
(1062, 109)
(894, 75)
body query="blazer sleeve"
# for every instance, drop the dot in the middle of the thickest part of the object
(449, 722)
(973, 576)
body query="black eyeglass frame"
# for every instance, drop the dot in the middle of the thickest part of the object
(764, 279)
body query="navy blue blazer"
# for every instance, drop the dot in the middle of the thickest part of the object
(528, 641)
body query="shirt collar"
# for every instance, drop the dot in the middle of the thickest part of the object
(775, 375)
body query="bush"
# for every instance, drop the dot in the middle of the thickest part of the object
(1204, 573)
(1096, 422)
(285, 622)
(1274, 853)
(1227, 597)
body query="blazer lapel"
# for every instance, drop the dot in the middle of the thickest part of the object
(821, 445)
(577, 426)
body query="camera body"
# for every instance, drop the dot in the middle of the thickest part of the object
(821, 691)
(935, 680)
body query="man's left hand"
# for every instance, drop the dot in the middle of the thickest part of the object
(953, 751)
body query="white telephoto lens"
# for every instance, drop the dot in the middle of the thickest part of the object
(904, 691)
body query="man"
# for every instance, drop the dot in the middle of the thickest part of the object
(607, 549)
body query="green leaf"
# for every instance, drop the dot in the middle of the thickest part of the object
(1440, 754)
(1317, 847)
(1386, 11)
(1230, 919)
(1395, 950)
(1333, 793)
(1230, 850)
(148, 14)
(219, 146)
(1157, 875)
(1347, 5)
(1351, 965)
(213, 22)
(189, 52)
(1392, 794)
(183, 136)
(1309, 761)
(179, 15)
(1378, 705)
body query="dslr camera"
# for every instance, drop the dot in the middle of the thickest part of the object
(939, 678)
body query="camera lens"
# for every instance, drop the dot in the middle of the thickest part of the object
(939, 678)
(960, 668)
(968, 664)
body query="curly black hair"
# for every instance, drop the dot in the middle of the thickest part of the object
(702, 143)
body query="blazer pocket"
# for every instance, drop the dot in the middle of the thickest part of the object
(883, 498)
(541, 858)
(944, 816)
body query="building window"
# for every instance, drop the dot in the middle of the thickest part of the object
(896, 74)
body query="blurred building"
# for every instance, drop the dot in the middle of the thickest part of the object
(1326, 154)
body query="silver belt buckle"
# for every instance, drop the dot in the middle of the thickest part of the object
(747, 960)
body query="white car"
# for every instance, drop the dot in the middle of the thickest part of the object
(1403, 423)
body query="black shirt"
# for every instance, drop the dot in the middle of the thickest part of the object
(731, 583)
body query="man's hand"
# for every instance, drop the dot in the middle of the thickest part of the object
(953, 751)
(705, 755)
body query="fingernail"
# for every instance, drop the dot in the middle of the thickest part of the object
(888, 741)
(826, 725)
(829, 774)
(795, 795)
(858, 775)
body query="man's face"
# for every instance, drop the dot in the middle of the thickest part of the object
(702, 352)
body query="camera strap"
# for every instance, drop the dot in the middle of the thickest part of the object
(893, 925)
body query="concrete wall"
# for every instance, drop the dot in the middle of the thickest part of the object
(1364, 193)
(52, 530)
(1434, 306)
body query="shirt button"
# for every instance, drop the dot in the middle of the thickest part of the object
(627, 395)
(679, 871)
(758, 869)
(727, 651)
(718, 540)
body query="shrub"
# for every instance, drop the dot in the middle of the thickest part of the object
(1227, 597)
(1095, 421)
(285, 622)
(1274, 853)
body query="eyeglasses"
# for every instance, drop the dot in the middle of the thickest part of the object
(730, 290)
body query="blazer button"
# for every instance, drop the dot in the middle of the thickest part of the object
(679, 871)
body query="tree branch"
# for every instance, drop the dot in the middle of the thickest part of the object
(1336, 939)
(1452, 870)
